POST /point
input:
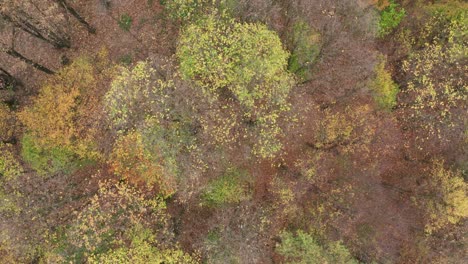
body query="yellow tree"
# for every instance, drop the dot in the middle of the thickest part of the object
(64, 116)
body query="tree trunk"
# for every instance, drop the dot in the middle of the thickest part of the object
(5, 72)
(18, 55)
(72, 11)
(24, 24)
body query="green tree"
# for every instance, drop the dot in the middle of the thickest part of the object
(390, 18)
(241, 63)
(302, 248)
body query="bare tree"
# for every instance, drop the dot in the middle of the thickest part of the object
(40, 18)
(75, 14)
(9, 48)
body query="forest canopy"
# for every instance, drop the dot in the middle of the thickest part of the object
(233, 131)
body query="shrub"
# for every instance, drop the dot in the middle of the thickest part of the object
(142, 250)
(10, 170)
(350, 130)
(305, 47)
(384, 89)
(227, 189)
(390, 18)
(7, 123)
(125, 22)
(304, 248)
(49, 160)
(185, 10)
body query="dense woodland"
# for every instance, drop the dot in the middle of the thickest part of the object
(233, 131)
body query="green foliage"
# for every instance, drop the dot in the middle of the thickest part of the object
(126, 59)
(247, 58)
(49, 160)
(304, 248)
(228, 188)
(219, 250)
(247, 64)
(125, 22)
(305, 43)
(185, 10)
(447, 199)
(390, 18)
(384, 89)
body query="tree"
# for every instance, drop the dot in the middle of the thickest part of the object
(75, 14)
(152, 125)
(64, 113)
(119, 225)
(9, 48)
(445, 199)
(303, 248)
(433, 103)
(305, 43)
(12, 52)
(138, 161)
(244, 65)
(7, 81)
(134, 94)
